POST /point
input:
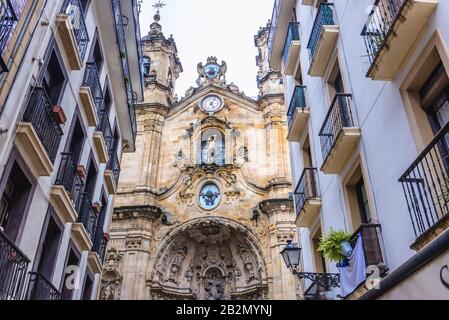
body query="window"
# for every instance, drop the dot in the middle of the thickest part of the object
(96, 55)
(76, 141)
(307, 154)
(89, 186)
(49, 247)
(146, 66)
(71, 273)
(88, 286)
(357, 198)
(16, 190)
(435, 98)
(318, 258)
(53, 79)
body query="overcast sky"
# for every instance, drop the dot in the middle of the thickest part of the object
(221, 28)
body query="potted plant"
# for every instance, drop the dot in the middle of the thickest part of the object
(59, 114)
(335, 246)
(106, 236)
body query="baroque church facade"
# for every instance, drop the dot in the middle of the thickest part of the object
(203, 208)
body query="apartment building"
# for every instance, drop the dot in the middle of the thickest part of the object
(367, 91)
(70, 79)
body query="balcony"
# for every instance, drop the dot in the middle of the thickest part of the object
(41, 289)
(72, 30)
(66, 193)
(281, 17)
(8, 22)
(103, 138)
(112, 173)
(338, 135)
(120, 28)
(39, 135)
(322, 40)
(321, 286)
(391, 32)
(307, 198)
(91, 95)
(426, 189)
(100, 243)
(298, 114)
(292, 45)
(83, 231)
(13, 271)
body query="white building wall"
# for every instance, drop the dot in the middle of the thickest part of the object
(387, 147)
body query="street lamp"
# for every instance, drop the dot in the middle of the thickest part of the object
(292, 255)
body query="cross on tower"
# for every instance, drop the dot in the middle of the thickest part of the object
(159, 5)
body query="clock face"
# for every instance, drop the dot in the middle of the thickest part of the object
(212, 103)
(211, 70)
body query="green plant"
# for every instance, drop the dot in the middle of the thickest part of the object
(330, 245)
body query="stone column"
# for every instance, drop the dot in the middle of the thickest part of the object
(282, 228)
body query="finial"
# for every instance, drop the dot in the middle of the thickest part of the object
(159, 5)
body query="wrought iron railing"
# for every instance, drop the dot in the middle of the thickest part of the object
(39, 113)
(100, 243)
(74, 10)
(114, 165)
(306, 189)
(380, 23)
(120, 28)
(8, 22)
(92, 81)
(87, 215)
(321, 283)
(298, 101)
(105, 127)
(69, 177)
(40, 288)
(273, 25)
(292, 35)
(426, 184)
(371, 239)
(13, 269)
(338, 117)
(324, 17)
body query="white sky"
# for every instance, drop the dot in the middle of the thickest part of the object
(221, 28)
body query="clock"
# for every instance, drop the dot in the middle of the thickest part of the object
(212, 103)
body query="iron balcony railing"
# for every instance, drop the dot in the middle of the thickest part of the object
(74, 10)
(292, 35)
(273, 25)
(306, 189)
(322, 283)
(39, 288)
(121, 24)
(92, 81)
(114, 165)
(13, 269)
(87, 215)
(298, 101)
(39, 113)
(371, 239)
(105, 127)
(8, 22)
(426, 184)
(380, 23)
(324, 17)
(100, 243)
(338, 117)
(69, 178)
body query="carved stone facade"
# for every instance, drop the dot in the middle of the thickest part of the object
(203, 208)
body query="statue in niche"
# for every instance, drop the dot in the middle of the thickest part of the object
(214, 287)
(211, 150)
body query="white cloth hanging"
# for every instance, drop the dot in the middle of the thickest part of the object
(354, 274)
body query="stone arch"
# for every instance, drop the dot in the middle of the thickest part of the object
(185, 261)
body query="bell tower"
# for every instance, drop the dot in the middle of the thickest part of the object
(269, 81)
(161, 64)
